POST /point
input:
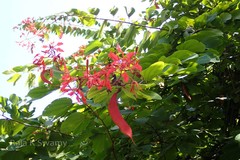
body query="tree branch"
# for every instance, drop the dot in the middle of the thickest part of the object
(105, 126)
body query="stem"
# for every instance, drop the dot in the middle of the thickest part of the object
(106, 19)
(29, 125)
(120, 21)
(105, 126)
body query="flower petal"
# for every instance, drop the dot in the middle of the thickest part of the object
(113, 56)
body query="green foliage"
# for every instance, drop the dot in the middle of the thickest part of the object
(184, 106)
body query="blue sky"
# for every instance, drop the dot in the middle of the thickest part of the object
(13, 12)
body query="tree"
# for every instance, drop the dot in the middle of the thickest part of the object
(173, 95)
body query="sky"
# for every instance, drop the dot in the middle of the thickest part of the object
(12, 12)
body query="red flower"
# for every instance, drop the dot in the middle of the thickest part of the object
(113, 56)
(125, 77)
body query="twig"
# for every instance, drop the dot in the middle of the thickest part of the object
(108, 133)
(106, 19)
(34, 126)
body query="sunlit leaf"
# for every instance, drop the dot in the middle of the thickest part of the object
(58, 107)
(184, 55)
(192, 45)
(153, 70)
(3, 101)
(14, 78)
(93, 46)
(39, 92)
(5, 127)
(19, 68)
(17, 127)
(7, 72)
(72, 123)
(30, 80)
(14, 99)
(149, 95)
(128, 93)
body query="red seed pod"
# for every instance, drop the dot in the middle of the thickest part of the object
(117, 117)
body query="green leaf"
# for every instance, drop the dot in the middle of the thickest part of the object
(169, 69)
(150, 12)
(101, 28)
(130, 34)
(14, 78)
(128, 93)
(149, 95)
(171, 60)
(58, 107)
(17, 127)
(201, 20)
(30, 80)
(225, 16)
(211, 55)
(14, 99)
(101, 97)
(183, 55)
(86, 19)
(153, 70)
(186, 22)
(46, 36)
(93, 92)
(192, 68)
(212, 38)
(56, 29)
(236, 14)
(160, 49)
(154, 54)
(19, 68)
(171, 25)
(72, 123)
(147, 60)
(204, 59)
(100, 143)
(5, 126)
(113, 10)
(7, 72)
(14, 112)
(192, 45)
(28, 131)
(39, 92)
(129, 14)
(143, 44)
(93, 46)
(94, 11)
(3, 101)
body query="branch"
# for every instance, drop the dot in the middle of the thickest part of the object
(120, 21)
(106, 19)
(105, 126)
(34, 126)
